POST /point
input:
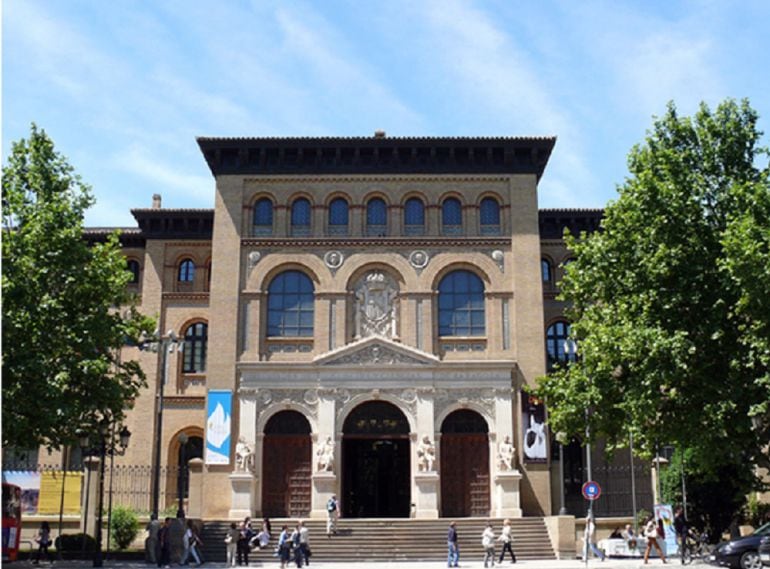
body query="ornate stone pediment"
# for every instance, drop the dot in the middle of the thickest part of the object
(376, 351)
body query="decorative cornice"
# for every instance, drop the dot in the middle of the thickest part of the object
(194, 296)
(400, 241)
(358, 179)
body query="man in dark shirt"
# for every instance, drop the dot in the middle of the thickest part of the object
(453, 557)
(680, 527)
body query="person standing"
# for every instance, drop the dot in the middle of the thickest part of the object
(294, 539)
(680, 527)
(43, 540)
(231, 539)
(590, 538)
(284, 546)
(488, 543)
(651, 533)
(453, 550)
(190, 542)
(630, 538)
(506, 538)
(304, 542)
(332, 513)
(151, 544)
(246, 533)
(164, 544)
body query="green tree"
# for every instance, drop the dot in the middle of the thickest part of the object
(124, 526)
(66, 311)
(669, 302)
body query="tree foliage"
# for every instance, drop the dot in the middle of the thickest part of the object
(66, 310)
(670, 303)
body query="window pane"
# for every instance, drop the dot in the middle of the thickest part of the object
(545, 269)
(490, 212)
(300, 213)
(461, 305)
(186, 271)
(451, 212)
(338, 212)
(263, 213)
(290, 305)
(414, 212)
(376, 212)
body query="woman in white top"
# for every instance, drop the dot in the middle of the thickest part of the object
(488, 543)
(507, 539)
(651, 533)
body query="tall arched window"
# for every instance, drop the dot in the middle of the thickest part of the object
(338, 217)
(451, 217)
(133, 267)
(290, 305)
(559, 348)
(376, 217)
(546, 271)
(186, 273)
(414, 217)
(194, 353)
(263, 217)
(461, 305)
(489, 216)
(300, 217)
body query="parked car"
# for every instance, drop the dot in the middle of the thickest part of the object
(742, 553)
(764, 551)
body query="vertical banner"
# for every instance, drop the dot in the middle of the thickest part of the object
(533, 426)
(665, 514)
(218, 426)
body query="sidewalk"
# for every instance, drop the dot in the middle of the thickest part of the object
(467, 563)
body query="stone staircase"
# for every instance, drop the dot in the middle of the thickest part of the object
(391, 540)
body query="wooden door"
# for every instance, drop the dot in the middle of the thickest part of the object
(464, 475)
(286, 476)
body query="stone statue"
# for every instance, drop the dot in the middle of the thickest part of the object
(244, 456)
(375, 311)
(505, 454)
(325, 455)
(426, 455)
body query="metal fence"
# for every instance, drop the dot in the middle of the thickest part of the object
(617, 492)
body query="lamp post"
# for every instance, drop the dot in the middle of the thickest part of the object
(181, 476)
(162, 345)
(560, 438)
(105, 445)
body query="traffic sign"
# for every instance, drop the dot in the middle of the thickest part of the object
(591, 490)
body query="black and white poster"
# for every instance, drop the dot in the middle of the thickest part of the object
(533, 426)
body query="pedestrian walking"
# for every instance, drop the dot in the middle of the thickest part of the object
(506, 538)
(164, 544)
(488, 543)
(651, 533)
(43, 540)
(453, 550)
(190, 542)
(284, 546)
(332, 514)
(231, 541)
(295, 544)
(680, 527)
(151, 543)
(304, 542)
(589, 537)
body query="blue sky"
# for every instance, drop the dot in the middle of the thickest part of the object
(124, 86)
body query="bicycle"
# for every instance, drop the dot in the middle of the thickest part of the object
(696, 546)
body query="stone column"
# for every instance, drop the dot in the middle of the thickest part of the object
(325, 482)
(505, 484)
(506, 502)
(243, 484)
(425, 489)
(196, 496)
(91, 496)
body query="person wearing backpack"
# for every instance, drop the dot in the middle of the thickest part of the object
(332, 513)
(488, 543)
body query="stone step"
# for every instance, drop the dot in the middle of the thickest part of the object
(391, 539)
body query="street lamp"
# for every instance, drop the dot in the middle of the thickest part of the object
(161, 345)
(183, 438)
(105, 446)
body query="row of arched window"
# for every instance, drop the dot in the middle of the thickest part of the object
(547, 270)
(338, 217)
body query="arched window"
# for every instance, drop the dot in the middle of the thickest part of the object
(559, 347)
(290, 305)
(194, 353)
(186, 273)
(263, 217)
(461, 305)
(414, 217)
(545, 270)
(300, 217)
(451, 217)
(338, 217)
(132, 265)
(376, 217)
(489, 216)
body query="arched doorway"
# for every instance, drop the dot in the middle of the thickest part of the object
(286, 459)
(464, 465)
(375, 462)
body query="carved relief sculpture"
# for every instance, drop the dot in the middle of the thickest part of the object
(375, 310)
(244, 456)
(505, 452)
(426, 455)
(325, 455)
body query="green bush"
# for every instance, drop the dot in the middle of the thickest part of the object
(124, 526)
(74, 542)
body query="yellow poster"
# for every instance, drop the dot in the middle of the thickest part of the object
(51, 492)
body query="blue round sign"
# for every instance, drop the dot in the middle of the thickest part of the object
(591, 490)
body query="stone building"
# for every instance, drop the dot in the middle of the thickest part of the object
(359, 317)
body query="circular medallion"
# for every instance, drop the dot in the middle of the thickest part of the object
(334, 259)
(419, 259)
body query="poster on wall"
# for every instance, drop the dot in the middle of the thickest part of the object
(533, 427)
(218, 428)
(51, 482)
(29, 482)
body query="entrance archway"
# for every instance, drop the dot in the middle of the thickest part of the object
(464, 465)
(375, 462)
(286, 463)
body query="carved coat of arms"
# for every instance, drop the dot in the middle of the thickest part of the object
(375, 312)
